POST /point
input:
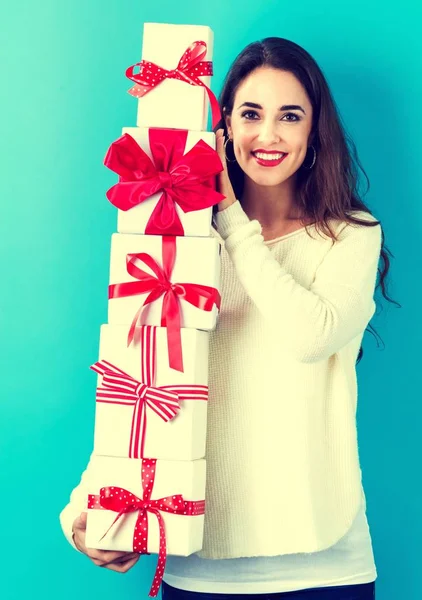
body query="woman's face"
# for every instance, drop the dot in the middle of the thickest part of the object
(271, 116)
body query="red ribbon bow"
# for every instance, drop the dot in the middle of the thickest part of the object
(203, 297)
(184, 179)
(121, 388)
(190, 68)
(122, 501)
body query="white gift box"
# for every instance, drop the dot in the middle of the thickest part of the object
(197, 261)
(184, 533)
(181, 438)
(195, 223)
(174, 103)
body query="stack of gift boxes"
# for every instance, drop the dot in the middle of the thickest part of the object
(147, 484)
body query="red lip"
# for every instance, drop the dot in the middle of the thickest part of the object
(269, 163)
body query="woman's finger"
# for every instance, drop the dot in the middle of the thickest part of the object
(122, 567)
(106, 556)
(220, 146)
(115, 561)
(223, 181)
(123, 559)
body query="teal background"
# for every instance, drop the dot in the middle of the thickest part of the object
(63, 102)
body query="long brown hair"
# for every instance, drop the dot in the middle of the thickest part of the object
(330, 189)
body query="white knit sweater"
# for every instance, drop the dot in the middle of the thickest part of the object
(283, 471)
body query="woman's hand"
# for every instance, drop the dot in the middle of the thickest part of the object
(115, 561)
(223, 180)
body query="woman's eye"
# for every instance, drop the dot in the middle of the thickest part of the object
(248, 113)
(251, 114)
(296, 117)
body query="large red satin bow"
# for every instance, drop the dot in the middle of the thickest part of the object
(122, 501)
(119, 387)
(189, 69)
(203, 297)
(184, 179)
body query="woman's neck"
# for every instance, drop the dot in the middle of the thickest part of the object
(271, 206)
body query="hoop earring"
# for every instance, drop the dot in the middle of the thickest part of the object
(225, 153)
(313, 161)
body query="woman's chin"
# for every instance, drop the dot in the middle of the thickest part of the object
(265, 180)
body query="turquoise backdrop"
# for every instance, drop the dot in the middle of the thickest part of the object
(63, 102)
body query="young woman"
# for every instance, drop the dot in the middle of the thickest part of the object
(286, 509)
(300, 251)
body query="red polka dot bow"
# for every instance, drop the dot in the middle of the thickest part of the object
(190, 68)
(122, 501)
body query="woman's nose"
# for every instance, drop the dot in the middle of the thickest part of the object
(268, 133)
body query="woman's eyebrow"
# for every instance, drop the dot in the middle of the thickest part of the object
(284, 107)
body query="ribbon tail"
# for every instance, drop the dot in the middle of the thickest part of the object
(174, 341)
(138, 430)
(133, 327)
(116, 519)
(170, 318)
(164, 219)
(162, 558)
(215, 108)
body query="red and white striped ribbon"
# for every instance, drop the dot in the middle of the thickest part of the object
(118, 387)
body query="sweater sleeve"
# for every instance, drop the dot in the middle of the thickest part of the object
(313, 323)
(78, 503)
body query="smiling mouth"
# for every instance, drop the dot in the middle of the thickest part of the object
(269, 159)
(269, 155)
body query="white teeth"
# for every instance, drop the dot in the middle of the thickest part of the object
(263, 156)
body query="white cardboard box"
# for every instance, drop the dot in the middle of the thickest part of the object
(184, 533)
(134, 220)
(197, 261)
(174, 103)
(181, 438)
